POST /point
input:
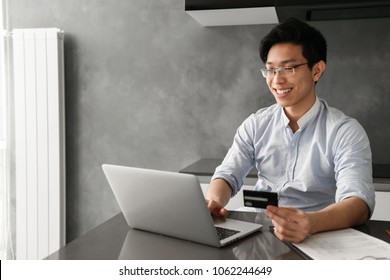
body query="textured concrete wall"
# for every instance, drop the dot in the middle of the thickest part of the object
(147, 86)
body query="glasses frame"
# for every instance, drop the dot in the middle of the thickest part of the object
(280, 70)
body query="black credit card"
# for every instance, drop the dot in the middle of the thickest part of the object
(260, 199)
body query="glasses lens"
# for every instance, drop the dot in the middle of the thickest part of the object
(282, 71)
(288, 71)
(267, 73)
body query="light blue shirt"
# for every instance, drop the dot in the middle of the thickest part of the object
(327, 159)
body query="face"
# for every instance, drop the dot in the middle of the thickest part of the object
(294, 93)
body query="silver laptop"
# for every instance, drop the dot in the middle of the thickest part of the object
(171, 204)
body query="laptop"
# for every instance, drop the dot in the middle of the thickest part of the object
(171, 204)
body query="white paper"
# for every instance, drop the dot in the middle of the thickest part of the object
(344, 244)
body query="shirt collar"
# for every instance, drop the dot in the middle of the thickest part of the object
(304, 120)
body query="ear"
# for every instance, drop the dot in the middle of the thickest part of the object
(318, 69)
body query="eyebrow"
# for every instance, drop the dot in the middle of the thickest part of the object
(283, 62)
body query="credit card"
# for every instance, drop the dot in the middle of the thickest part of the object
(259, 199)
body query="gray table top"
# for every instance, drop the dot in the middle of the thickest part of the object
(115, 240)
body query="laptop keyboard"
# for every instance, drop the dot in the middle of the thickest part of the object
(225, 232)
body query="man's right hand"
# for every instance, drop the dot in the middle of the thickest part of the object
(218, 195)
(216, 209)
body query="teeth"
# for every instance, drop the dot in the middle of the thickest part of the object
(282, 91)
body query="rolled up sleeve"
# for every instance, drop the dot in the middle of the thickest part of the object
(353, 164)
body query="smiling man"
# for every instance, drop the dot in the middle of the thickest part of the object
(316, 158)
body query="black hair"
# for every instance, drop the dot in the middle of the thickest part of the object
(299, 33)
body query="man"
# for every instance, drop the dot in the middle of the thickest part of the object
(316, 158)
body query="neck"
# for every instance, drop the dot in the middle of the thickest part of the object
(294, 113)
(294, 126)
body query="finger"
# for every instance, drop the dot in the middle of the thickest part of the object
(284, 226)
(223, 212)
(216, 209)
(288, 231)
(276, 213)
(220, 213)
(289, 214)
(288, 236)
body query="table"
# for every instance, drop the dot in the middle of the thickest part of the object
(114, 239)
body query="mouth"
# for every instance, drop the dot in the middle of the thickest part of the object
(282, 91)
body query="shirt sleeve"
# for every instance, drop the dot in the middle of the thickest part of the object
(353, 163)
(240, 158)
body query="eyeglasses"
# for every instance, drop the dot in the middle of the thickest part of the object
(286, 71)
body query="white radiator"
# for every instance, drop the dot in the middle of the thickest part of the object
(39, 141)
